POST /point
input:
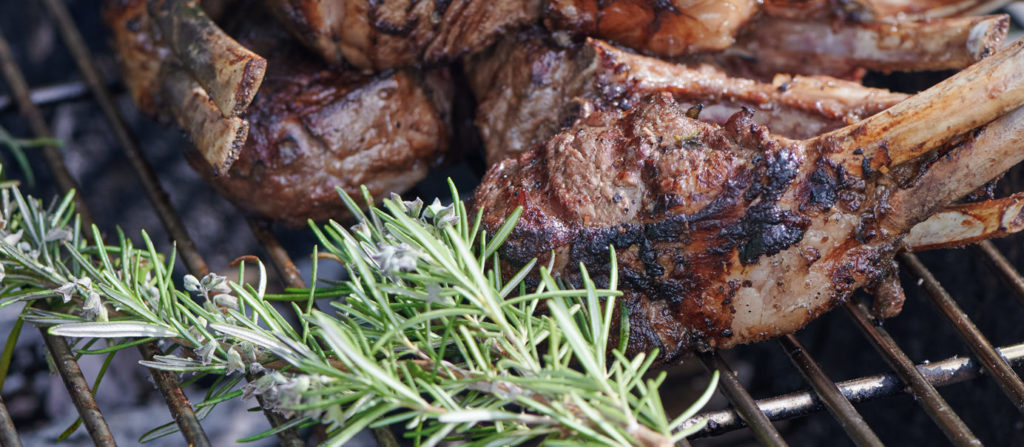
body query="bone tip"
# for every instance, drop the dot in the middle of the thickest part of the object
(221, 160)
(987, 36)
(249, 85)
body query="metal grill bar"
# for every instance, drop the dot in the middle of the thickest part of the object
(803, 403)
(763, 429)
(279, 259)
(69, 371)
(177, 402)
(931, 401)
(1002, 266)
(8, 433)
(995, 364)
(19, 90)
(79, 390)
(50, 94)
(829, 394)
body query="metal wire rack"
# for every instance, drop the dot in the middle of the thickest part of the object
(919, 380)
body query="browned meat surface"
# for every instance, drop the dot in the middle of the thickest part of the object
(665, 28)
(379, 35)
(527, 89)
(311, 127)
(314, 129)
(728, 234)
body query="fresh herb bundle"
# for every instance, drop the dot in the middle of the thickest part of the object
(426, 333)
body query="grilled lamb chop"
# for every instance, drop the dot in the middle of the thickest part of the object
(315, 128)
(309, 129)
(729, 235)
(380, 35)
(527, 90)
(802, 34)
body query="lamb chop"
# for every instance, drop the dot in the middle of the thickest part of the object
(310, 128)
(527, 89)
(728, 234)
(378, 36)
(791, 36)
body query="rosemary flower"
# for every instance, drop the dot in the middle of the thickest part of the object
(206, 352)
(392, 258)
(225, 300)
(93, 308)
(235, 362)
(412, 208)
(440, 215)
(67, 290)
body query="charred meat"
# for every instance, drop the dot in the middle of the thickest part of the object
(728, 234)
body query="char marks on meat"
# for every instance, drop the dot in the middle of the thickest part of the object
(728, 234)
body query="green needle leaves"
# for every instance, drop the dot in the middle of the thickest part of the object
(427, 333)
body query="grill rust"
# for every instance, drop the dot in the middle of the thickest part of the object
(838, 398)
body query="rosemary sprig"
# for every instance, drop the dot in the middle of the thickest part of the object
(427, 331)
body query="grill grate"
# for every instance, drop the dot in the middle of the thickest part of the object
(838, 398)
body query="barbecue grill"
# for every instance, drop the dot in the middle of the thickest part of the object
(981, 364)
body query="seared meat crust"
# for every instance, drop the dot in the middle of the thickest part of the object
(729, 235)
(315, 128)
(696, 215)
(378, 35)
(666, 28)
(315, 131)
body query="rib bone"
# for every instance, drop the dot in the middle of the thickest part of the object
(968, 223)
(229, 72)
(773, 45)
(969, 99)
(221, 138)
(880, 10)
(154, 79)
(526, 89)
